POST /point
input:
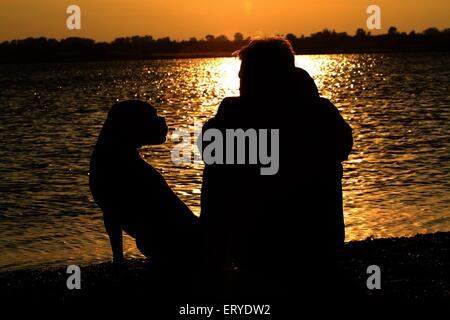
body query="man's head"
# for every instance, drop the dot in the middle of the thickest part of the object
(264, 64)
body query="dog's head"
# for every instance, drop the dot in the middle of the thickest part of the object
(135, 123)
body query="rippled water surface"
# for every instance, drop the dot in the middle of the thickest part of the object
(396, 180)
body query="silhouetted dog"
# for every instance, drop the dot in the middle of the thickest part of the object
(135, 197)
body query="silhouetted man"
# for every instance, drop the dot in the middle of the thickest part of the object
(274, 233)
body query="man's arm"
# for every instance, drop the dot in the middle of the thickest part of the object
(341, 131)
(345, 138)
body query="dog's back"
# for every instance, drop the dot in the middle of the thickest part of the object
(135, 193)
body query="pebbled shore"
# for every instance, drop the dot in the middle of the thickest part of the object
(412, 269)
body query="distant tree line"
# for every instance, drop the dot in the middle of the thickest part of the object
(146, 47)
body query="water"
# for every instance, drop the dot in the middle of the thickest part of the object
(396, 180)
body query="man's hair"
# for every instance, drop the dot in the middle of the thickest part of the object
(274, 52)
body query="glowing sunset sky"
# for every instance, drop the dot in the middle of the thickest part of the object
(181, 19)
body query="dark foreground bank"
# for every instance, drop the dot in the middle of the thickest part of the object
(411, 268)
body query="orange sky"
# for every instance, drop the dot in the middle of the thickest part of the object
(181, 19)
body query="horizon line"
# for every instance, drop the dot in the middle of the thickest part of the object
(299, 36)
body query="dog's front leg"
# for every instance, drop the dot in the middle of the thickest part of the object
(114, 231)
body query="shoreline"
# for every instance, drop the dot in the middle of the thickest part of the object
(412, 268)
(207, 55)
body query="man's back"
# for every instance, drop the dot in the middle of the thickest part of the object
(265, 223)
